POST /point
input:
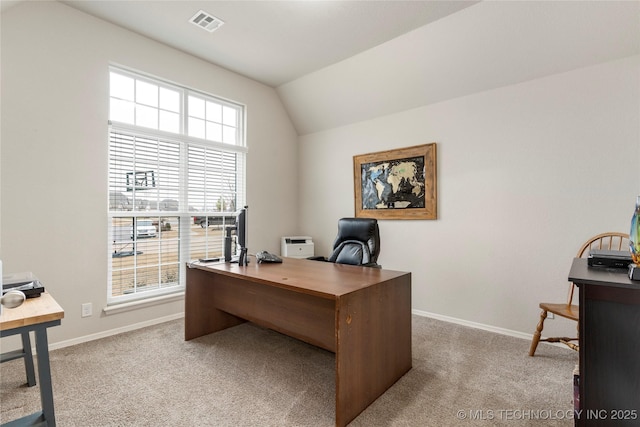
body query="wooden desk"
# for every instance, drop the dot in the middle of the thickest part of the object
(609, 346)
(361, 314)
(35, 314)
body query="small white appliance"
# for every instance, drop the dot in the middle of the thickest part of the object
(297, 247)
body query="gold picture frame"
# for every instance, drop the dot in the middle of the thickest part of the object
(396, 184)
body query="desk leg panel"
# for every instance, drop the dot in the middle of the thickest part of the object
(44, 375)
(28, 359)
(216, 301)
(200, 316)
(373, 344)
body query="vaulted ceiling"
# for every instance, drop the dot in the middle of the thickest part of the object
(273, 42)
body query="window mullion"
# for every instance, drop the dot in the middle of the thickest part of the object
(185, 112)
(185, 223)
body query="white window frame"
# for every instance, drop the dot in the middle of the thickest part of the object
(186, 244)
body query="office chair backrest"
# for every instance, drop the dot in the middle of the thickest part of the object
(357, 243)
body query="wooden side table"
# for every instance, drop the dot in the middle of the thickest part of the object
(35, 314)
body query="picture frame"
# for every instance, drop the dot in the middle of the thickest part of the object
(396, 184)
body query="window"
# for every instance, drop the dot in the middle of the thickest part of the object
(176, 176)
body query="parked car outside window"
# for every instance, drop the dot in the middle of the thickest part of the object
(144, 228)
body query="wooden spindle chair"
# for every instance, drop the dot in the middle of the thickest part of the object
(568, 310)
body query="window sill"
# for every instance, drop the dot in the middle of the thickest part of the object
(148, 302)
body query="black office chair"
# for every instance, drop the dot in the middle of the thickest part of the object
(357, 243)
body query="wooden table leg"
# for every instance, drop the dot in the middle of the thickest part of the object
(374, 345)
(200, 316)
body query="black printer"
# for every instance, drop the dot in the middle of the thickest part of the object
(609, 259)
(25, 282)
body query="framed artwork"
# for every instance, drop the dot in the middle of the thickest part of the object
(396, 184)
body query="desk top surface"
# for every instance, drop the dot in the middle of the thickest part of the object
(314, 277)
(582, 274)
(33, 311)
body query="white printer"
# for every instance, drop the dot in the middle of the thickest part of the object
(297, 247)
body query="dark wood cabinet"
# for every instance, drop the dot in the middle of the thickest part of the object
(609, 346)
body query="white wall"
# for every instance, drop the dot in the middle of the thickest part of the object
(54, 153)
(526, 173)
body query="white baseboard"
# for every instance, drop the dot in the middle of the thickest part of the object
(475, 325)
(176, 316)
(116, 331)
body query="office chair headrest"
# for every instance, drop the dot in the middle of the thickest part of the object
(358, 241)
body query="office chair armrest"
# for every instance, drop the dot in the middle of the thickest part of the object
(372, 264)
(317, 258)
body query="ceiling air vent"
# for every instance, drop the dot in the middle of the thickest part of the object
(204, 20)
